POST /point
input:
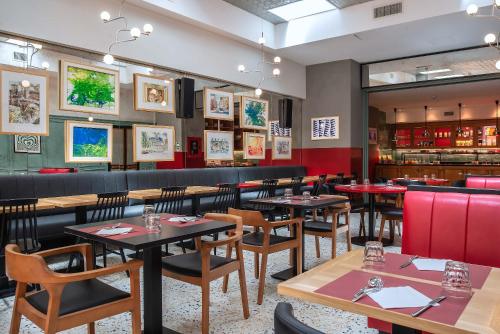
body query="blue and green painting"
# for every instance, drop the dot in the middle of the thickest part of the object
(90, 142)
(255, 113)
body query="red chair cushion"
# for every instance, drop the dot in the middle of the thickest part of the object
(57, 170)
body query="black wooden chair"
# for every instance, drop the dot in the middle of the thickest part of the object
(296, 185)
(286, 323)
(225, 198)
(267, 190)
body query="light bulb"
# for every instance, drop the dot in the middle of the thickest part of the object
(163, 103)
(277, 60)
(276, 72)
(105, 16)
(262, 40)
(497, 3)
(153, 91)
(108, 59)
(135, 32)
(258, 92)
(490, 38)
(91, 119)
(147, 28)
(45, 65)
(25, 83)
(498, 65)
(241, 68)
(472, 9)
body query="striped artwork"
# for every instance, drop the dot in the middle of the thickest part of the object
(275, 130)
(325, 128)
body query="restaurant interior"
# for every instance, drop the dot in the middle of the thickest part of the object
(250, 166)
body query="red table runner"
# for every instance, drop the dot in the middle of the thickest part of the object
(448, 311)
(136, 231)
(165, 221)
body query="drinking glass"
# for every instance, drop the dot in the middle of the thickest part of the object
(390, 183)
(426, 177)
(433, 176)
(353, 182)
(288, 193)
(148, 209)
(306, 196)
(374, 254)
(366, 182)
(456, 280)
(407, 176)
(153, 223)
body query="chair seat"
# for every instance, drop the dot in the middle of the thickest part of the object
(190, 264)
(317, 226)
(257, 239)
(393, 212)
(79, 296)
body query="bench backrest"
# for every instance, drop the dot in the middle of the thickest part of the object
(483, 182)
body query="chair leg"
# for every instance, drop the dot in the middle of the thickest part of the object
(262, 279)
(334, 235)
(124, 260)
(275, 231)
(91, 328)
(205, 305)
(243, 282)
(398, 224)
(256, 264)
(381, 231)
(318, 251)
(362, 231)
(104, 256)
(15, 322)
(183, 246)
(225, 281)
(348, 232)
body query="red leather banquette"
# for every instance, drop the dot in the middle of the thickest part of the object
(57, 170)
(482, 182)
(450, 223)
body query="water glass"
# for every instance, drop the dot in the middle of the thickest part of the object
(366, 182)
(153, 223)
(456, 280)
(306, 196)
(390, 183)
(288, 193)
(426, 177)
(433, 176)
(353, 182)
(148, 209)
(374, 254)
(407, 177)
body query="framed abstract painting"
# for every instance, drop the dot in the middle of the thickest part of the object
(219, 145)
(89, 89)
(218, 104)
(325, 128)
(253, 113)
(153, 143)
(282, 148)
(88, 142)
(276, 130)
(153, 94)
(24, 101)
(27, 144)
(254, 146)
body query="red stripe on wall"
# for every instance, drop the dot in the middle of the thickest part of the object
(178, 162)
(333, 160)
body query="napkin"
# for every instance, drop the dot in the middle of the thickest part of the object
(281, 201)
(114, 231)
(182, 219)
(399, 297)
(430, 264)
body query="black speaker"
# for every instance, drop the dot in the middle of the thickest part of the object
(285, 113)
(184, 98)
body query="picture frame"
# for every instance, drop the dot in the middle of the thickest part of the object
(153, 93)
(282, 148)
(254, 146)
(323, 128)
(194, 149)
(88, 142)
(102, 98)
(153, 143)
(219, 145)
(275, 130)
(24, 110)
(372, 136)
(218, 104)
(27, 144)
(254, 113)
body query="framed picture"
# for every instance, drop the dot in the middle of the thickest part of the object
(88, 141)
(89, 89)
(153, 143)
(218, 104)
(219, 145)
(282, 148)
(27, 144)
(372, 136)
(275, 130)
(24, 101)
(254, 145)
(253, 113)
(194, 147)
(325, 128)
(153, 94)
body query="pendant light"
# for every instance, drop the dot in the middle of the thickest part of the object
(395, 139)
(426, 130)
(459, 129)
(497, 128)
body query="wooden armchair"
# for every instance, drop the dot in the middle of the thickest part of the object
(266, 243)
(69, 300)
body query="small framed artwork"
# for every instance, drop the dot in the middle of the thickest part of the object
(153, 143)
(372, 136)
(153, 94)
(24, 101)
(275, 130)
(218, 104)
(282, 148)
(27, 144)
(254, 113)
(88, 142)
(219, 145)
(194, 147)
(254, 145)
(325, 128)
(89, 89)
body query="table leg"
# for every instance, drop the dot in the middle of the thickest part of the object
(80, 219)
(238, 198)
(371, 216)
(195, 205)
(398, 329)
(292, 272)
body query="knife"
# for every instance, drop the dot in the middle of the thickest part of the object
(407, 263)
(428, 306)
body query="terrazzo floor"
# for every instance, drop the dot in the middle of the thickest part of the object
(182, 301)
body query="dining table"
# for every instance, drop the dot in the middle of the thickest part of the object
(430, 181)
(150, 243)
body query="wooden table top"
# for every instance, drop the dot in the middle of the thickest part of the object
(42, 204)
(71, 201)
(482, 314)
(146, 194)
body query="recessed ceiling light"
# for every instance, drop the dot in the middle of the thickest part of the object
(442, 70)
(449, 76)
(302, 8)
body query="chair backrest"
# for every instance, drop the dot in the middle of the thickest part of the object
(229, 218)
(406, 183)
(268, 189)
(110, 206)
(249, 217)
(225, 198)
(26, 268)
(296, 184)
(286, 323)
(171, 200)
(18, 224)
(482, 182)
(318, 185)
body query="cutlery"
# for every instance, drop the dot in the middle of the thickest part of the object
(410, 261)
(375, 283)
(428, 306)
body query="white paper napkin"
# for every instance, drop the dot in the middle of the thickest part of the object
(430, 264)
(399, 297)
(281, 201)
(114, 231)
(182, 219)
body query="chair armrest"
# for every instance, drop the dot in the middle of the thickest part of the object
(132, 265)
(80, 248)
(285, 223)
(212, 244)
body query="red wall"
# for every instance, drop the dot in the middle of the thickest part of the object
(178, 163)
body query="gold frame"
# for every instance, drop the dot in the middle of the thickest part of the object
(135, 126)
(242, 110)
(326, 138)
(273, 155)
(205, 132)
(63, 64)
(231, 104)
(165, 110)
(67, 147)
(40, 73)
(245, 141)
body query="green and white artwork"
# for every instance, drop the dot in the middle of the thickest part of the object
(153, 143)
(254, 113)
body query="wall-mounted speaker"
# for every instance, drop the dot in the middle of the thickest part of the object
(285, 113)
(184, 98)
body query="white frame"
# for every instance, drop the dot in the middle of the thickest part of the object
(68, 141)
(246, 136)
(229, 135)
(275, 154)
(168, 85)
(136, 139)
(206, 104)
(330, 118)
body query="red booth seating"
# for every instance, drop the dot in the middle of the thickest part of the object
(483, 182)
(57, 170)
(450, 223)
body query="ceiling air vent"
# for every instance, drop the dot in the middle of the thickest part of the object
(393, 9)
(20, 56)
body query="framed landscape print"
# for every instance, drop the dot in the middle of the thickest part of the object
(254, 145)
(24, 101)
(88, 141)
(153, 143)
(88, 88)
(325, 128)
(275, 130)
(253, 113)
(282, 148)
(219, 145)
(27, 144)
(218, 104)
(153, 94)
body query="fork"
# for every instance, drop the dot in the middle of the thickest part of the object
(410, 261)
(428, 306)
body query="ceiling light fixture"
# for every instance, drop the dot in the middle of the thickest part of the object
(459, 129)
(497, 65)
(449, 76)
(441, 70)
(492, 39)
(395, 138)
(426, 130)
(302, 8)
(497, 127)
